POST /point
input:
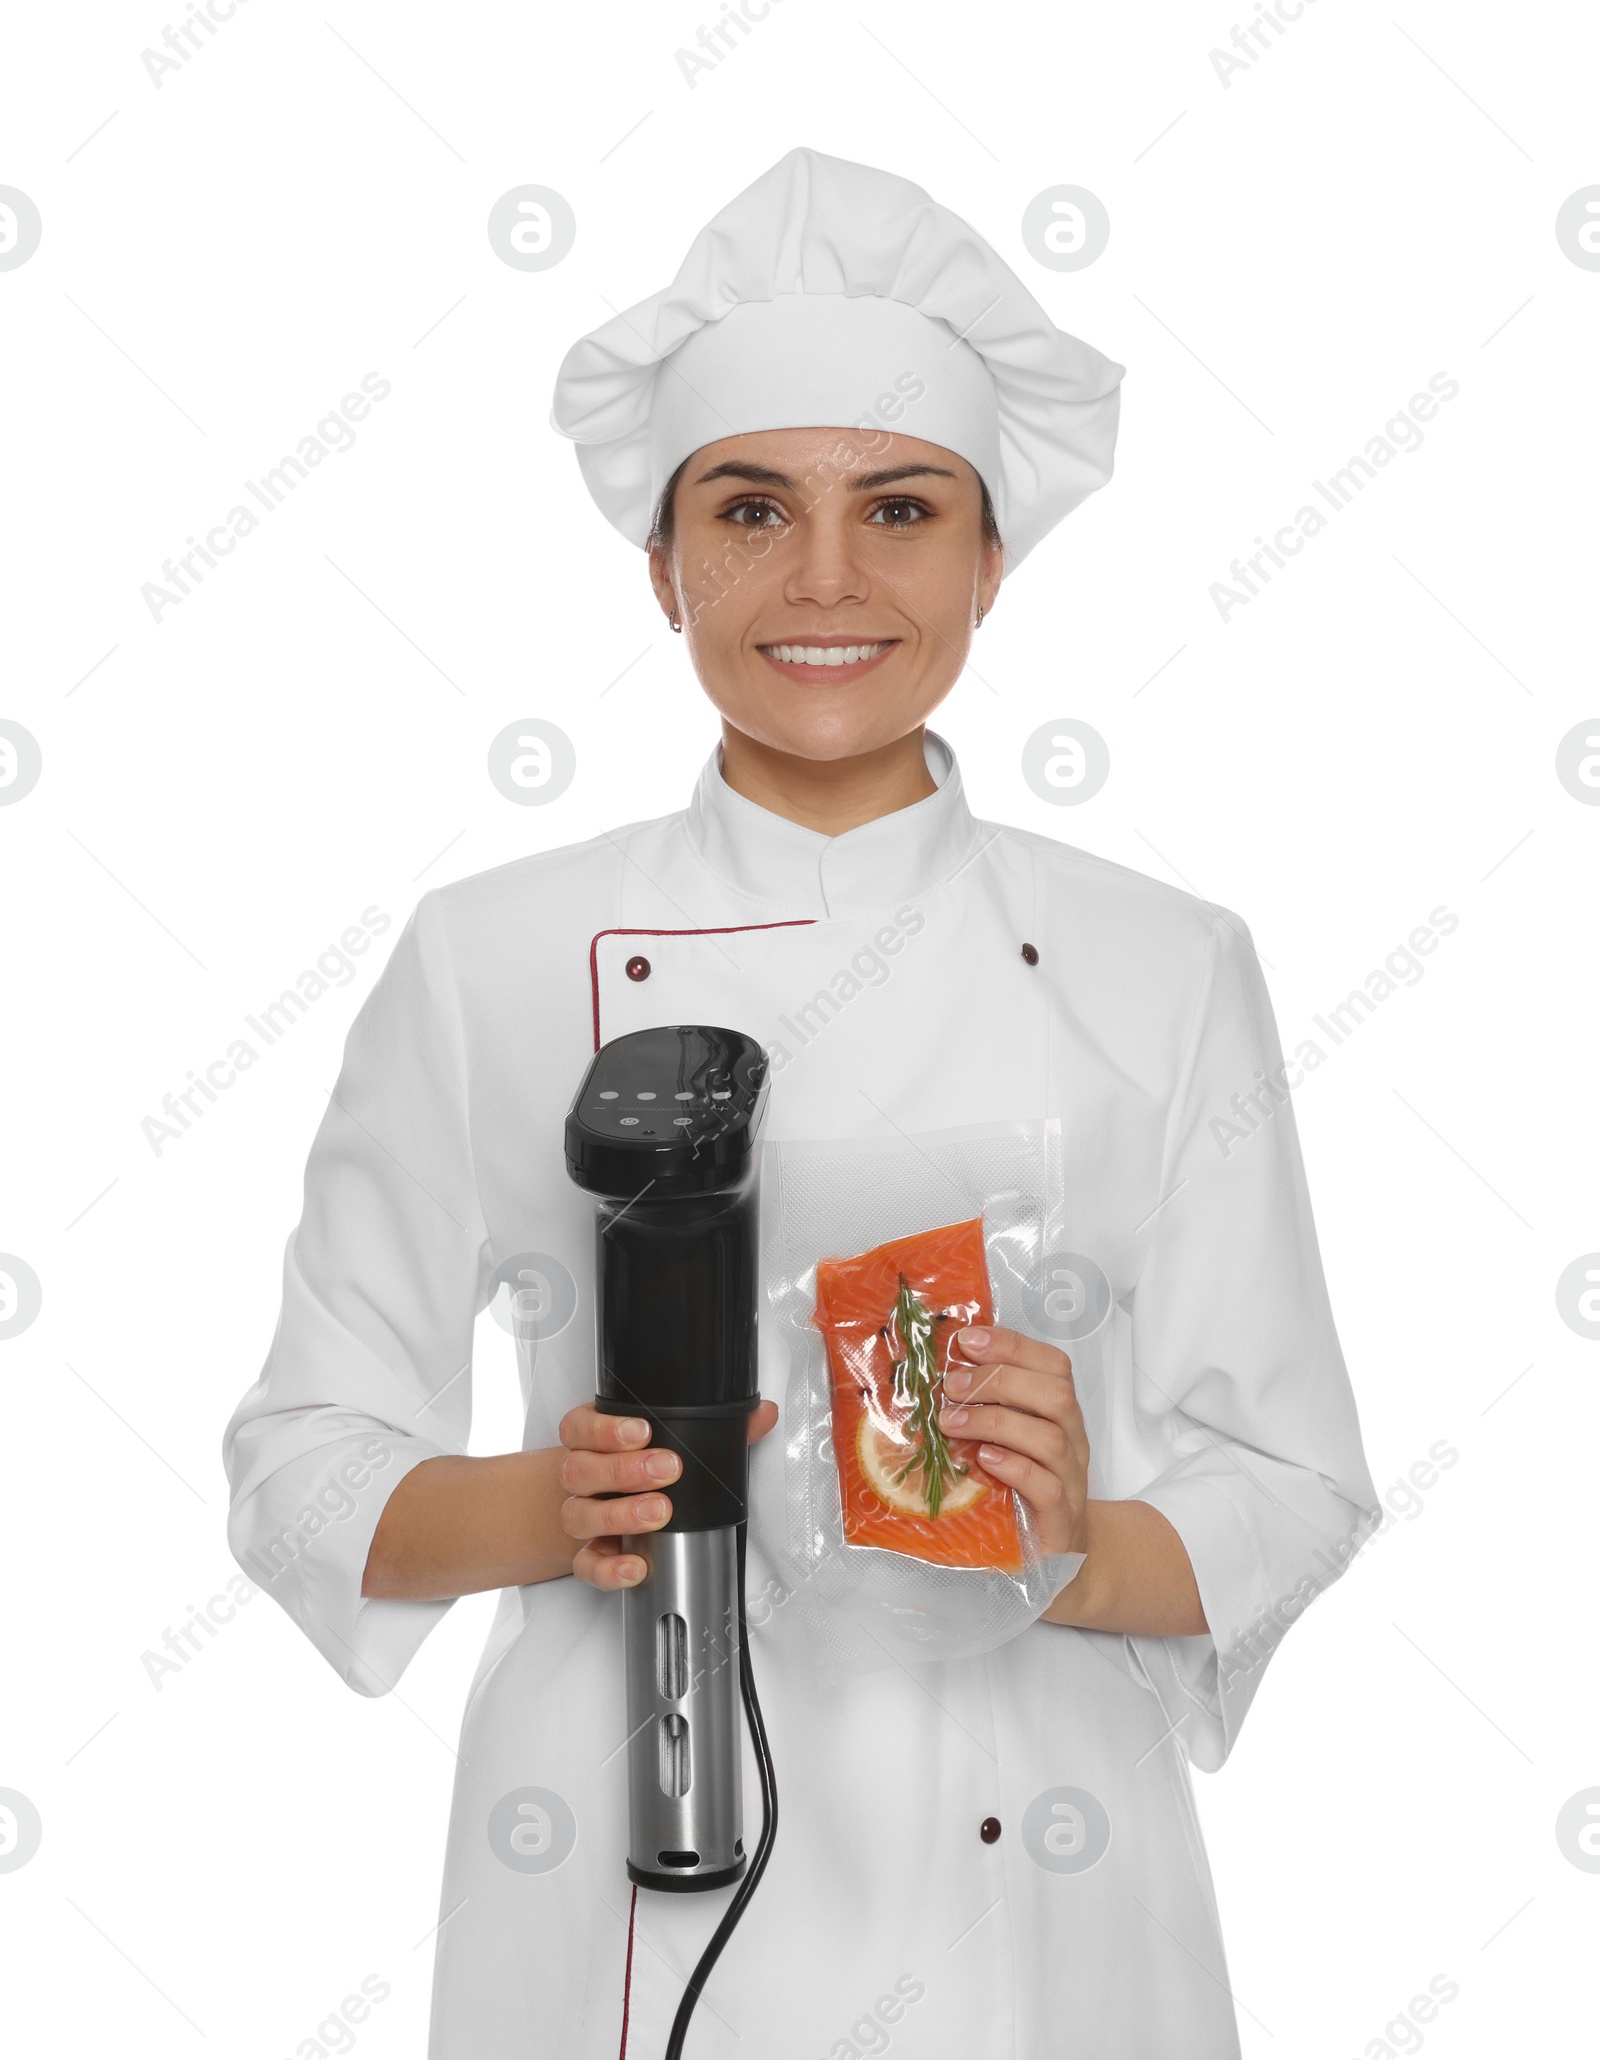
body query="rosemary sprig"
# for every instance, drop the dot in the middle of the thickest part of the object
(919, 1385)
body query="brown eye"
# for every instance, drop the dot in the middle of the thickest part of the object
(739, 513)
(899, 514)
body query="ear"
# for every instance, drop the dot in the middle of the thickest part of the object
(661, 581)
(990, 573)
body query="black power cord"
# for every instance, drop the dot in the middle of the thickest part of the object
(769, 1828)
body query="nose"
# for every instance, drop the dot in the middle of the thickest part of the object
(826, 569)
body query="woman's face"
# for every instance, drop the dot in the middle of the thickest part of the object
(827, 581)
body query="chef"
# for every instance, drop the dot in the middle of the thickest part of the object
(834, 431)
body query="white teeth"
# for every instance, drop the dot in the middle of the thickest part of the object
(824, 654)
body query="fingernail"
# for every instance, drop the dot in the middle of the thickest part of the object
(992, 1455)
(958, 1380)
(976, 1337)
(954, 1418)
(634, 1430)
(649, 1507)
(661, 1466)
(633, 1571)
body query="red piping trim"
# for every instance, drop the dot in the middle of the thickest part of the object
(723, 930)
(627, 1979)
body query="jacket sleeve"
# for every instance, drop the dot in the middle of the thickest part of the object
(1236, 1355)
(369, 1371)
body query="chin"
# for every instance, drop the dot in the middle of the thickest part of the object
(824, 742)
(854, 725)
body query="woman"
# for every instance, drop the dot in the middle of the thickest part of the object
(834, 431)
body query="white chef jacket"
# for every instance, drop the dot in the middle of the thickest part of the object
(1216, 1392)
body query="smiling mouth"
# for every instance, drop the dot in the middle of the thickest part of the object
(826, 661)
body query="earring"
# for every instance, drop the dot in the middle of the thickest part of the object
(676, 624)
(979, 623)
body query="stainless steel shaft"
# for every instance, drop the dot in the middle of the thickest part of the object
(681, 1627)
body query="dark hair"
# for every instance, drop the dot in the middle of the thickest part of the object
(661, 524)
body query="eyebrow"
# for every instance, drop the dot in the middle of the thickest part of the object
(864, 482)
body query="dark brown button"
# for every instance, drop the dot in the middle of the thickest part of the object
(637, 969)
(1030, 955)
(989, 1830)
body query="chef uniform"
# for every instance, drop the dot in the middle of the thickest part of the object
(996, 1856)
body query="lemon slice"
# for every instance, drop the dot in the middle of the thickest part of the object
(883, 1457)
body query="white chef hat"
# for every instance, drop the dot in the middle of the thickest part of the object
(830, 294)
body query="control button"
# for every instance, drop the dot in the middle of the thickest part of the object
(608, 1094)
(685, 1094)
(721, 1094)
(630, 1119)
(1030, 955)
(645, 1094)
(989, 1830)
(683, 1119)
(637, 969)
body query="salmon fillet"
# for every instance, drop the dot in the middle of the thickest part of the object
(889, 1319)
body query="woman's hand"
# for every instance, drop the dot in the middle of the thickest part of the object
(605, 1457)
(1017, 1395)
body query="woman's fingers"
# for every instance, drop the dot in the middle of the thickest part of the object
(1034, 1437)
(1018, 1373)
(1016, 1397)
(615, 1473)
(587, 1429)
(999, 1392)
(605, 1455)
(609, 1455)
(611, 1516)
(1013, 1347)
(604, 1564)
(1041, 1487)
(604, 1458)
(613, 1478)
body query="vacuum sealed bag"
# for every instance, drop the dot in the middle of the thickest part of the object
(877, 1252)
(889, 1320)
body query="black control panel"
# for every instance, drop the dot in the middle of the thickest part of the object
(674, 1109)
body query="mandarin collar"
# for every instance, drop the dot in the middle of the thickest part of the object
(804, 872)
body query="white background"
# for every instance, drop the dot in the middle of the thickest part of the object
(1292, 256)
